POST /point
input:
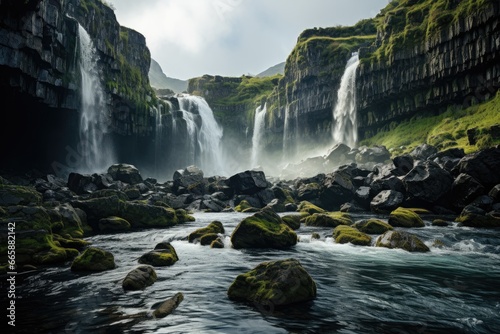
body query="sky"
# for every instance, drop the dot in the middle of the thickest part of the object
(190, 38)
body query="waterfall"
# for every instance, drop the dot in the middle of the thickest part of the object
(290, 134)
(258, 130)
(96, 152)
(345, 129)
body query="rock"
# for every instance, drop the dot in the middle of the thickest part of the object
(265, 229)
(163, 255)
(217, 243)
(113, 225)
(337, 155)
(495, 193)
(478, 220)
(191, 179)
(212, 205)
(376, 154)
(362, 196)
(428, 182)
(290, 207)
(81, 184)
(484, 202)
(423, 152)
(315, 236)
(276, 205)
(372, 226)
(125, 173)
(248, 183)
(308, 192)
(19, 195)
(208, 238)
(482, 166)
(402, 217)
(387, 183)
(463, 191)
(351, 207)
(345, 234)
(331, 219)
(386, 201)
(132, 193)
(403, 164)
(274, 284)
(265, 196)
(94, 259)
(440, 223)
(310, 208)
(139, 278)
(244, 206)
(336, 190)
(73, 223)
(403, 240)
(168, 306)
(110, 192)
(293, 221)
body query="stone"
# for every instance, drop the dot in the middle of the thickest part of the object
(139, 278)
(277, 205)
(440, 223)
(337, 155)
(248, 182)
(293, 221)
(346, 234)
(495, 193)
(168, 306)
(386, 201)
(336, 190)
(403, 240)
(113, 225)
(403, 164)
(309, 208)
(163, 255)
(423, 151)
(191, 179)
(352, 207)
(376, 154)
(478, 220)
(244, 206)
(402, 217)
(217, 243)
(81, 184)
(309, 191)
(274, 284)
(94, 259)
(463, 191)
(331, 219)
(362, 196)
(19, 195)
(265, 229)
(125, 173)
(372, 226)
(482, 166)
(428, 182)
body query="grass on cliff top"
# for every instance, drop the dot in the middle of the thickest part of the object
(448, 130)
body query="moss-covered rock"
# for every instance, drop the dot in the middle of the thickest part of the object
(163, 255)
(372, 226)
(274, 284)
(331, 219)
(214, 227)
(402, 217)
(244, 206)
(207, 239)
(478, 221)
(217, 243)
(345, 234)
(113, 225)
(265, 229)
(293, 221)
(94, 259)
(73, 224)
(19, 195)
(125, 173)
(310, 208)
(440, 223)
(168, 306)
(403, 240)
(139, 278)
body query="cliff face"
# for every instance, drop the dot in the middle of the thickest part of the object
(428, 56)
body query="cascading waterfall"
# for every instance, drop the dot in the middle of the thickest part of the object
(345, 128)
(290, 134)
(258, 130)
(97, 153)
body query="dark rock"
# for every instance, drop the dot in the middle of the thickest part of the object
(376, 154)
(19, 195)
(113, 225)
(217, 243)
(277, 205)
(94, 259)
(163, 255)
(291, 207)
(372, 226)
(274, 284)
(478, 220)
(440, 223)
(133, 193)
(403, 240)
(336, 190)
(108, 193)
(347, 234)
(386, 201)
(402, 217)
(308, 192)
(464, 190)
(387, 183)
(168, 306)
(423, 152)
(81, 184)
(484, 202)
(403, 163)
(139, 278)
(331, 219)
(309, 208)
(495, 193)
(482, 166)
(265, 196)
(452, 153)
(293, 221)
(221, 196)
(214, 227)
(249, 182)
(362, 196)
(337, 155)
(352, 207)
(125, 173)
(191, 179)
(428, 182)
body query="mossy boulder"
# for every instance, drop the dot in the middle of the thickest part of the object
(125, 173)
(372, 226)
(331, 219)
(403, 240)
(217, 243)
(310, 208)
(345, 234)
(213, 228)
(163, 255)
(139, 278)
(440, 223)
(273, 284)
(478, 220)
(73, 224)
(94, 259)
(402, 217)
(19, 195)
(293, 221)
(265, 229)
(113, 225)
(207, 239)
(168, 306)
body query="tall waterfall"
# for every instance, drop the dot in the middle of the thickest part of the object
(345, 129)
(258, 130)
(96, 151)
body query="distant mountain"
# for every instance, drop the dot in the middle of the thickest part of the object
(159, 80)
(276, 69)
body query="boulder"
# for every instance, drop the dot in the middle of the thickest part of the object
(277, 205)
(191, 179)
(402, 217)
(217, 243)
(208, 238)
(387, 183)
(248, 183)
(495, 193)
(19, 195)
(113, 225)
(125, 173)
(265, 229)
(331, 219)
(362, 196)
(347, 234)
(428, 182)
(309, 208)
(463, 191)
(244, 206)
(81, 184)
(386, 201)
(336, 190)
(440, 223)
(403, 164)
(73, 223)
(309, 191)
(352, 207)
(293, 221)
(168, 306)
(163, 255)
(139, 278)
(372, 226)
(273, 284)
(337, 155)
(482, 166)
(94, 259)
(423, 152)
(376, 154)
(403, 240)
(478, 220)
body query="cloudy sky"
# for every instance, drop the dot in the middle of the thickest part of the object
(190, 38)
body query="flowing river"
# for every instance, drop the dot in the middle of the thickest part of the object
(453, 289)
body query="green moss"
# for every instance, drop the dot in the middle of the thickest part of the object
(244, 205)
(347, 234)
(19, 195)
(214, 227)
(403, 240)
(372, 226)
(159, 258)
(331, 219)
(402, 217)
(310, 208)
(93, 259)
(208, 238)
(479, 221)
(293, 221)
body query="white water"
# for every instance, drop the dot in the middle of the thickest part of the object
(345, 128)
(258, 131)
(97, 153)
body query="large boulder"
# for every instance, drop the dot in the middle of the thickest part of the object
(163, 255)
(139, 278)
(347, 234)
(214, 227)
(478, 220)
(274, 284)
(125, 173)
(94, 259)
(464, 190)
(376, 154)
(331, 219)
(402, 217)
(372, 226)
(428, 182)
(81, 184)
(482, 166)
(249, 182)
(336, 190)
(423, 152)
(309, 191)
(265, 229)
(403, 240)
(190, 179)
(403, 164)
(308, 207)
(113, 225)
(19, 195)
(337, 155)
(386, 201)
(168, 306)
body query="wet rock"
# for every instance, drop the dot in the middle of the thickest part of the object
(168, 306)
(336, 190)
(428, 182)
(376, 154)
(386, 201)
(191, 179)
(423, 152)
(482, 166)
(81, 184)
(387, 183)
(125, 173)
(163, 255)
(372, 226)
(402, 217)
(478, 220)
(274, 284)
(94, 259)
(495, 193)
(277, 205)
(19, 195)
(113, 225)
(362, 196)
(403, 164)
(352, 207)
(464, 190)
(139, 278)
(309, 208)
(293, 221)
(403, 240)
(244, 206)
(330, 219)
(132, 193)
(249, 182)
(214, 227)
(217, 243)
(308, 192)
(347, 234)
(440, 223)
(289, 207)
